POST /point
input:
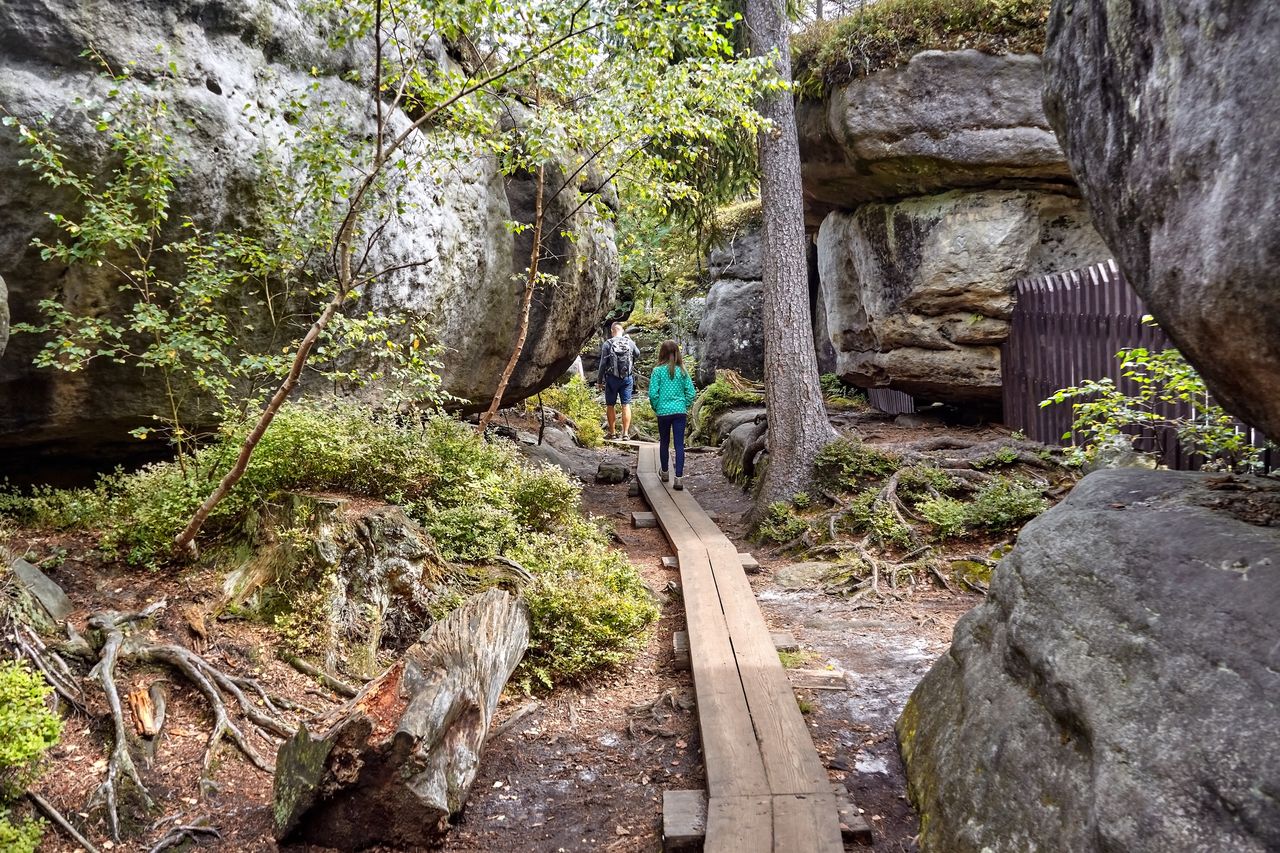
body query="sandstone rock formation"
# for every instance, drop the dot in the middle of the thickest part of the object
(944, 120)
(1169, 119)
(731, 334)
(918, 293)
(1116, 690)
(230, 54)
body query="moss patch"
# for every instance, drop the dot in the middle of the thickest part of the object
(888, 33)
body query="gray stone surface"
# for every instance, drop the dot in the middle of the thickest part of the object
(260, 52)
(1169, 117)
(945, 119)
(739, 256)
(918, 293)
(1117, 689)
(731, 333)
(612, 472)
(45, 592)
(802, 576)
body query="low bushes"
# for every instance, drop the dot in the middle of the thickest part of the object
(577, 401)
(27, 729)
(478, 499)
(719, 397)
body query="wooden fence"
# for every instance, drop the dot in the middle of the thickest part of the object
(891, 402)
(1067, 328)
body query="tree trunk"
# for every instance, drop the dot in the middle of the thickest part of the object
(391, 766)
(798, 425)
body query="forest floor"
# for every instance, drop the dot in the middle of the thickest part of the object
(583, 768)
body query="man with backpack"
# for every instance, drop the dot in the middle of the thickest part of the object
(618, 356)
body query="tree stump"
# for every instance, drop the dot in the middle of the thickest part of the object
(391, 765)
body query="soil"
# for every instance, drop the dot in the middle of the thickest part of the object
(585, 768)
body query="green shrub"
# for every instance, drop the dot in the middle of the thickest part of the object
(1000, 505)
(838, 395)
(1004, 504)
(1002, 456)
(947, 516)
(920, 481)
(877, 519)
(577, 401)
(587, 604)
(27, 729)
(716, 399)
(643, 418)
(1163, 382)
(21, 837)
(889, 32)
(780, 524)
(846, 464)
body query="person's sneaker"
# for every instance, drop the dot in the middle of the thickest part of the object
(678, 485)
(664, 476)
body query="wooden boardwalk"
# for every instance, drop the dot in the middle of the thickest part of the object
(767, 791)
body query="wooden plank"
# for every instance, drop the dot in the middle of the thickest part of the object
(643, 520)
(786, 747)
(684, 819)
(818, 679)
(806, 824)
(853, 826)
(739, 825)
(731, 756)
(784, 642)
(680, 650)
(670, 562)
(750, 564)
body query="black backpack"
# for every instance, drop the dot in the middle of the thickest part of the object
(620, 362)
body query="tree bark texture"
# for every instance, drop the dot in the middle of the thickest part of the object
(391, 765)
(798, 425)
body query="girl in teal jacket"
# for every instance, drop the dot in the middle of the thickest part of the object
(671, 392)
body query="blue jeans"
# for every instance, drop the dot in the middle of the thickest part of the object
(667, 424)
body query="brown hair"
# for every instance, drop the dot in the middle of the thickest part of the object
(615, 328)
(669, 354)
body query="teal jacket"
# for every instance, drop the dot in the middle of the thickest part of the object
(671, 396)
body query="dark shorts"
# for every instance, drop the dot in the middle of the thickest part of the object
(615, 387)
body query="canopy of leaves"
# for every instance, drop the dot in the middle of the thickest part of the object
(889, 32)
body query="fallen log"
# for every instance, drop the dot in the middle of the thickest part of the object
(392, 764)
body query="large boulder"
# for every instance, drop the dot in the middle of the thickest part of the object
(1167, 112)
(918, 293)
(230, 54)
(1117, 688)
(943, 120)
(731, 333)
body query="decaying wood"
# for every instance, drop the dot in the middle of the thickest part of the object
(335, 684)
(392, 764)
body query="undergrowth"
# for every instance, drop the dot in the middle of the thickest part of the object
(577, 401)
(716, 399)
(888, 503)
(889, 32)
(27, 729)
(478, 499)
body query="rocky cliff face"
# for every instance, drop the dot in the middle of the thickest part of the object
(937, 184)
(1116, 690)
(260, 52)
(944, 120)
(1169, 118)
(918, 293)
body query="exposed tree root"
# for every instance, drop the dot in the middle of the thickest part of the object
(180, 834)
(114, 638)
(46, 808)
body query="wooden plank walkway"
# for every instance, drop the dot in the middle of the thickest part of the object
(767, 789)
